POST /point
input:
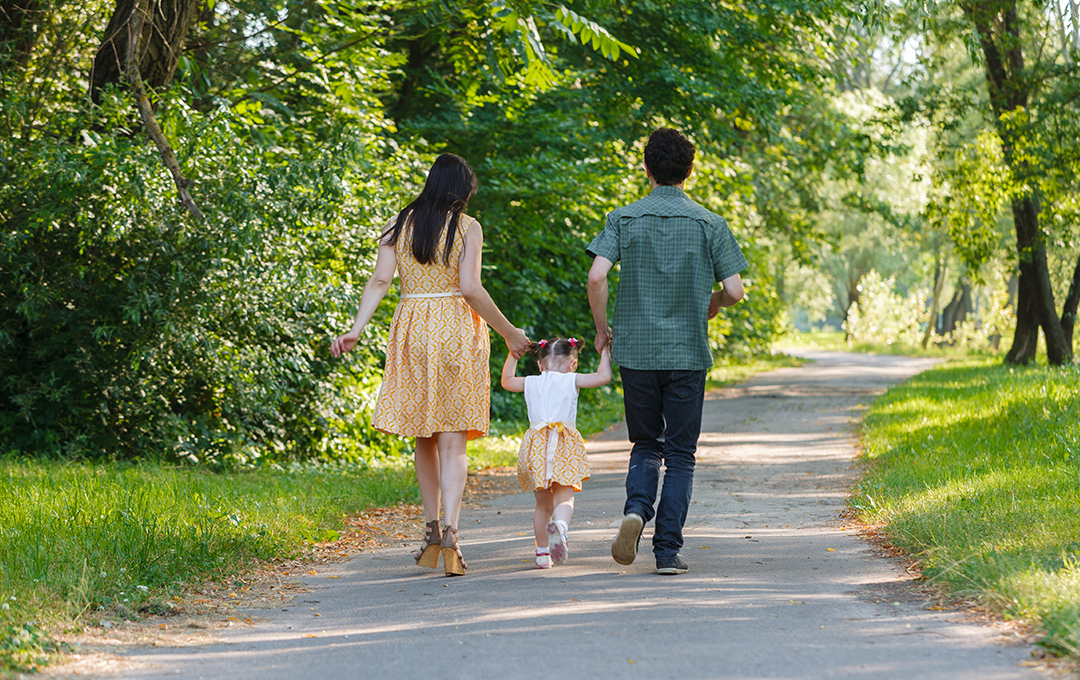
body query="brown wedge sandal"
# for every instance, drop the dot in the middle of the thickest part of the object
(453, 562)
(428, 554)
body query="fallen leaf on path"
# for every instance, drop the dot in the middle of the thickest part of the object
(705, 547)
(830, 549)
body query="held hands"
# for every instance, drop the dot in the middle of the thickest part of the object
(603, 339)
(344, 343)
(517, 342)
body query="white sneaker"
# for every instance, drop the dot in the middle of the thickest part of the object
(543, 560)
(625, 547)
(556, 531)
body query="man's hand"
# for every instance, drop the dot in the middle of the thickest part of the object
(714, 304)
(603, 339)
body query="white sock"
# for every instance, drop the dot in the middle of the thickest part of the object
(543, 551)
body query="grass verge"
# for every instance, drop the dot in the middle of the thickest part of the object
(975, 470)
(835, 341)
(122, 538)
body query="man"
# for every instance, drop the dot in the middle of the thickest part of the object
(672, 252)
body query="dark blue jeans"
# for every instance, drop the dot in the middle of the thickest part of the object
(663, 416)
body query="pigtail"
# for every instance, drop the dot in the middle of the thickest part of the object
(535, 347)
(576, 345)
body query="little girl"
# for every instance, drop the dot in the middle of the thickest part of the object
(552, 461)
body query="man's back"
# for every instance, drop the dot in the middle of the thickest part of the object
(672, 250)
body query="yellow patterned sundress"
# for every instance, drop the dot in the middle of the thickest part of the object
(437, 376)
(552, 449)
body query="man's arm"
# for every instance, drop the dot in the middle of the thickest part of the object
(727, 296)
(598, 299)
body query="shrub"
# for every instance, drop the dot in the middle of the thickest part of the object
(130, 329)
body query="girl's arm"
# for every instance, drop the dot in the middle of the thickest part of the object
(603, 373)
(510, 382)
(374, 291)
(478, 298)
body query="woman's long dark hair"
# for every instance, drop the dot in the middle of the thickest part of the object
(450, 185)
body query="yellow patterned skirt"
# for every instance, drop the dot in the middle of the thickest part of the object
(436, 377)
(568, 464)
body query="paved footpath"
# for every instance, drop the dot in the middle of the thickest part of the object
(777, 587)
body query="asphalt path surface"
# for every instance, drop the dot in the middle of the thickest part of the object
(778, 586)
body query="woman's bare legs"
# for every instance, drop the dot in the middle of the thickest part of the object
(453, 459)
(426, 462)
(542, 516)
(562, 497)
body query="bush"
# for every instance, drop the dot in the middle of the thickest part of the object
(882, 316)
(130, 329)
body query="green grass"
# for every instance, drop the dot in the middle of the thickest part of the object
(77, 537)
(835, 341)
(975, 469)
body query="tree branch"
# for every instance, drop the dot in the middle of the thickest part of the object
(153, 128)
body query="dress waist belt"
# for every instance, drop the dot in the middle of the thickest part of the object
(424, 296)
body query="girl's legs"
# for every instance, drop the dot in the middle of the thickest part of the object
(453, 460)
(426, 462)
(562, 497)
(563, 500)
(542, 516)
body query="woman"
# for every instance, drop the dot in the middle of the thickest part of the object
(436, 386)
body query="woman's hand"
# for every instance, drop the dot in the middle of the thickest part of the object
(517, 342)
(344, 343)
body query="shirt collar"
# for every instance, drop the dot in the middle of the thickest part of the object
(667, 190)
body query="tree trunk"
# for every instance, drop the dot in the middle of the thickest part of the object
(160, 42)
(1026, 334)
(958, 308)
(997, 25)
(19, 30)
(1068, 310)
(1075, 24)
(1026, 218)
(939, 283)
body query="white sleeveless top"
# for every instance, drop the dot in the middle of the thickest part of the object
(552, 398)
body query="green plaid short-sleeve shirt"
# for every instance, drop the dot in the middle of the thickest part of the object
(672, 251)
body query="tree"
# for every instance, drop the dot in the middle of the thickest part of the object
(1023, 103)
(164, 24)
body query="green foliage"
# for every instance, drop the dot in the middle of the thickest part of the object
(884, 317)
(741, 333)
(128, 329)
(975, 469)
(24, 647)
(78, 537)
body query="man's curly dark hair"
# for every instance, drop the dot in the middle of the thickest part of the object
(669, 155)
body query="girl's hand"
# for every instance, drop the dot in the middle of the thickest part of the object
(517, 342)
(344, 343)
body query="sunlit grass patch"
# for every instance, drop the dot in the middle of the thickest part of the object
(975, 468)
(79, 538)
(726, 373)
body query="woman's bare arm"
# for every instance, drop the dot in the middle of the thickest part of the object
(374, 291)
(478, 298)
